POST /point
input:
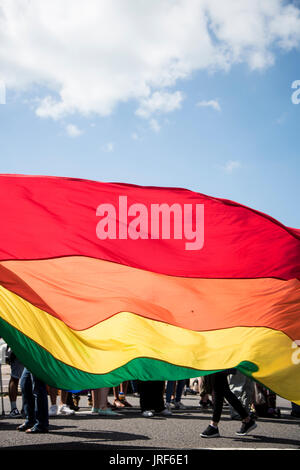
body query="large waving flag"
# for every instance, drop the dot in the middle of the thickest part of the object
(105, 282)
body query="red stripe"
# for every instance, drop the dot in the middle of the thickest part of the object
(47, 217)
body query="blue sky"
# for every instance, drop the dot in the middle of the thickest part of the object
(242, 145)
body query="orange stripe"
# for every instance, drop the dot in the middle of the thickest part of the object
(84, 291)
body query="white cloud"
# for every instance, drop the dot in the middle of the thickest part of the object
(159, 102)
(230, 166)
(211, 104)
(109, 147)
(89, 57)
(73, 131)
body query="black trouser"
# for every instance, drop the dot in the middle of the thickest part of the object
(221, 390)
(151, 395)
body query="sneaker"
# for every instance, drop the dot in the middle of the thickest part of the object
(210, 431)
(94, 411)
(65, 410)
(15, 413)
(168, 406)
(147, 414)
(53, 410)
(107, 412)
(179, 405)
(166, 412)
(246, 427)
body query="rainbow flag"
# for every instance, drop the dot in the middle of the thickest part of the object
(106, 282)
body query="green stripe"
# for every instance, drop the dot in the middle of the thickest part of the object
(57, 374)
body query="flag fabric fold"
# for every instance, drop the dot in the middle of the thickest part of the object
(106, 282)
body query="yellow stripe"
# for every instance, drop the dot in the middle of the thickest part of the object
(119, 339)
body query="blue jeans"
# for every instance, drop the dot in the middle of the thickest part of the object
(35, 400)
(179, 390)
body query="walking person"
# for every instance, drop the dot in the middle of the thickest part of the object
(35, 404)
(16, 369)
(221, 390)
(152, 398)
(63, 408)
(120, 392)
(175, 388)
(205, 392)
(243, 388)
(99, 400)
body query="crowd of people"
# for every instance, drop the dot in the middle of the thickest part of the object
(246, 400)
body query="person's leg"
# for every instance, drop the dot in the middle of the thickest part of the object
(13, 392)
(169, 390)
(145, 391)
(64, 408)
(235, 402)
(203, 392)
(248, 423)
(220, 388)
(63, 397)
(53, 397)
(123, 390)
(95, 400)
(76, 400)
(116, 392)
(219, 381)
(103, 409)
(103, 394)
(218, 384)
(134, 387)
(28, 398)
(237, 386)
(158, 396)
(15, 374)
(249, 394)
(178, 393)
(179, 390)
(41, 403)
(117, 402)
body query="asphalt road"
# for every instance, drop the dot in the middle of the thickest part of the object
(130, 431)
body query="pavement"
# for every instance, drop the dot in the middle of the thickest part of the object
(130, 432)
